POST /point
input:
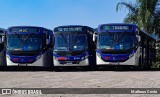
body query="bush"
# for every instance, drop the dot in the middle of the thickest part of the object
(157, 64)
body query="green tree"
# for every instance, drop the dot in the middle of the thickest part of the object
(144, 13)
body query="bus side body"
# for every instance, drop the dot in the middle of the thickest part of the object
(128, 49)
(147, 46)
(73, 47)
(25, 48)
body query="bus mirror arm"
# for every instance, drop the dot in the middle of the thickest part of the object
(138, 38)
(94, 38)
(3, 39)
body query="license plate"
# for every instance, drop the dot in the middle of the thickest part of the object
(114, 63)
(22, 64)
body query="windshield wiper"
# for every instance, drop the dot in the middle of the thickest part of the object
(114, 39)
(74, 40)
(64, 39)
(117, 39)
(120, 35)
(19, 38)
(28, 37)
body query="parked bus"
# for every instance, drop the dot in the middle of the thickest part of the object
(124, 44)
(73, 46)
(29, 46)
(2, 47)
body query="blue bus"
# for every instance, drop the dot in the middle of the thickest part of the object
(73, 46)
(29, 46)
(124, 44)
(2, 47)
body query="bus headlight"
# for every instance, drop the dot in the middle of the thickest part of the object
(85, 57)
(8, 57)
(99, 55)
(55, 58)
(131, 55)
(38, 57)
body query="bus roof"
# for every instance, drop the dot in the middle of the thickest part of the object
(118, 24)
(146, 34)
(127, 24)
(69, 26)
(2, 31)
(34, 29)
(72, 26)
(28, 27)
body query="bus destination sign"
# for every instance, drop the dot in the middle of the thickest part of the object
(24, 29)
(69, 29)
(116, 27)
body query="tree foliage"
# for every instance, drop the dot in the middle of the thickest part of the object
(144, 13)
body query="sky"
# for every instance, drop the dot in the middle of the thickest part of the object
(53, 13)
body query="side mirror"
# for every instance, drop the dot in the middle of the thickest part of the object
(138, 39)
(47, 41)
(53, 40)
(94, 38)
(2, 39)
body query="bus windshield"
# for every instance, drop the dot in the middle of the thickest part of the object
(70, 42)
(116, 40)
(27, 42)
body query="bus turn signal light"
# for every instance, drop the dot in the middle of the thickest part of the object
(107, 58)
(30, 60)
(122, 58)
(15, 59)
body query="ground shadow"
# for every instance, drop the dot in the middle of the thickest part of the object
(77, 69)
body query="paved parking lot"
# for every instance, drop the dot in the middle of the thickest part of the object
(81, 79)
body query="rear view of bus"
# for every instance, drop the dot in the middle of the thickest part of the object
(73, 46)
(2, 47)
(29, 46)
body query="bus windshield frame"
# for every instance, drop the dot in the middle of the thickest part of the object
(70, 42)
(116, 40)
(24, 42)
